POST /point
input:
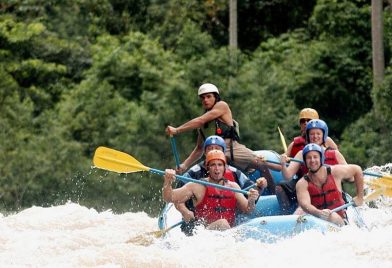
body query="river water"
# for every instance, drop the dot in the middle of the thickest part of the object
(72, 235)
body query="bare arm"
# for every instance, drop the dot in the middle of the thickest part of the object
(289, 171)
(246, 205)
(187, 215)
(348, 171)
(179, 195)
(195, 155)
(330, 143)
(221, 109)
(303, 198)
(340, 158)
(289, 148)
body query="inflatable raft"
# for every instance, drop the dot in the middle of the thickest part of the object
(266, 222)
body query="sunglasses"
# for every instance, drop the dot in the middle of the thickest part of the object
(304, 120)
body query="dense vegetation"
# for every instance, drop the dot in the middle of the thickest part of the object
(77, 75)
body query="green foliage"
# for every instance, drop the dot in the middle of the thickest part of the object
(166, 19)
(337, 66)
(75, 76)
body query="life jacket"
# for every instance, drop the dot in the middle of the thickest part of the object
(217, 204)
(229, 175)
(328, 197)
(298, 144)
(330, 157)
(221, 129)
(225, 131)
(199, 172)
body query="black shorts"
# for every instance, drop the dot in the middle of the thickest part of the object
(289, 189)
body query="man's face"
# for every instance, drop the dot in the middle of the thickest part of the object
(302, 123)
(207, 100)
(313, 160)
(212, 147)
(316, 136)
(216, 168)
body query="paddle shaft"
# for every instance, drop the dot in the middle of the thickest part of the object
(173, 226)
(367, 198)
(349, 204)
(364, 172)
(206, 183)
(174, 149)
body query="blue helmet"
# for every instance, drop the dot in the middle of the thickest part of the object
(313, 147)
(214, 140)
(317, 123)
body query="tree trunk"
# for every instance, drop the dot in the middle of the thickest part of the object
(233, 39)
(377, 42)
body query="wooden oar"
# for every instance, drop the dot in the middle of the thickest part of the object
(147, 238)
(113, 160)
(174, 149)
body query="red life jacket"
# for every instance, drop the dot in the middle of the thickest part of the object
(298, 144)
(330, 157)
(217, 204)
(229, 175)
(328, 197)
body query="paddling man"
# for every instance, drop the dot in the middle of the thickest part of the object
(316, 132)
(214, 208)
(319, 191)
(218, 120)
(199, 171)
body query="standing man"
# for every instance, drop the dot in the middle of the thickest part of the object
(214, 208)
(218, 120)
(319, 191)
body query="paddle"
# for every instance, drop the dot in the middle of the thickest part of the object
(379, 175)
(145, 239)
(174, 149)
(380, 189)
(113, 160)
(282, 140)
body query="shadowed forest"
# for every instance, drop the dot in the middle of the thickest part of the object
(75, 75)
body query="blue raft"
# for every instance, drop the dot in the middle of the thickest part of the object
(266, 223)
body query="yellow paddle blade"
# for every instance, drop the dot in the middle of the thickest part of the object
(381, 185)
(112, 160)
(146, 239)
(282, 140)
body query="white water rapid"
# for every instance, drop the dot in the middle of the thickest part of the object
(71, 235)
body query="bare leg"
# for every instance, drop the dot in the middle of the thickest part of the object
(219, 225)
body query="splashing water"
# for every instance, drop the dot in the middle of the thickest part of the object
(71, 235)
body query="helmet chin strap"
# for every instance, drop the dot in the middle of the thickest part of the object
(315, 171)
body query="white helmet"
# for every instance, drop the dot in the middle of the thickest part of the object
(207, 88)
